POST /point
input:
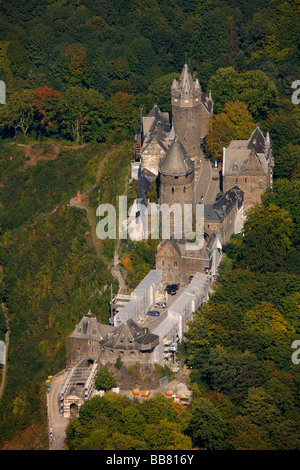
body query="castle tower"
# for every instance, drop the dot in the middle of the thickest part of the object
(176, 180)
(191, 111)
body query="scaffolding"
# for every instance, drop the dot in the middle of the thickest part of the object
(141, 298)
(171, 330)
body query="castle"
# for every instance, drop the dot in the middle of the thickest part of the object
(169, 152)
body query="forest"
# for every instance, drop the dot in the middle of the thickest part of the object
(78, 75)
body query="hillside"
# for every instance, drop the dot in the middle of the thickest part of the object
(78, 75)
(51, 273)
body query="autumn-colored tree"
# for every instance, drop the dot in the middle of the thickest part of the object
(234, 123)
(264, 317)
(46, 100)
(126, 261)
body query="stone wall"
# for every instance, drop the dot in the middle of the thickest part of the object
(169, 261)
(253, 186)
(186, 121)
(204, 121)
(151, 157)
(176, 190)
(78, 349)
(110, 355)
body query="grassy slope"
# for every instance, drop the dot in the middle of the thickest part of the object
(52, 274)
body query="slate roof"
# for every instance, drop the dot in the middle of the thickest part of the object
(186, 82)
(90, 328)
(187, 86)
(217, 211)
(129, 336)
(176, 162)
(145, 180)
(238, 152)
(154, 119)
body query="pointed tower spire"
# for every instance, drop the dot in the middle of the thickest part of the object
(176, 162)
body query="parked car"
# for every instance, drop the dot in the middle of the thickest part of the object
(172, 291)
(153, 313)
(172, 287)
(160, 305)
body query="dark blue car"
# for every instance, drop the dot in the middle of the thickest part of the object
(153, 313)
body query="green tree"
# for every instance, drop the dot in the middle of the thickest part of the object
(166, 435)
(119, 441)
(19, 112)
(207, 428)
(286, 161)
(267, 238)
(258, 409)
(245, 435)
(285, 194)
(105, 380)
(284, 125)
(123, 117)
(232, 372)
(81, 115)
(159, 91)
(134, 422)
(118, 363)
(96, 440)
(253, 87)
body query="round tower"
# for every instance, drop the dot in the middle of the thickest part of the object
(176, 180)
(186, 112)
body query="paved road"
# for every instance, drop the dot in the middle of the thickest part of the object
(56, 422)
(154, 322)
(205, 186)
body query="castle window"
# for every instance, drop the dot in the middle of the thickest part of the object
(236, 180)
(172, 190)
(175, 263)
(245, 180)
(162, 263)
(184, 189)
(176, 177)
